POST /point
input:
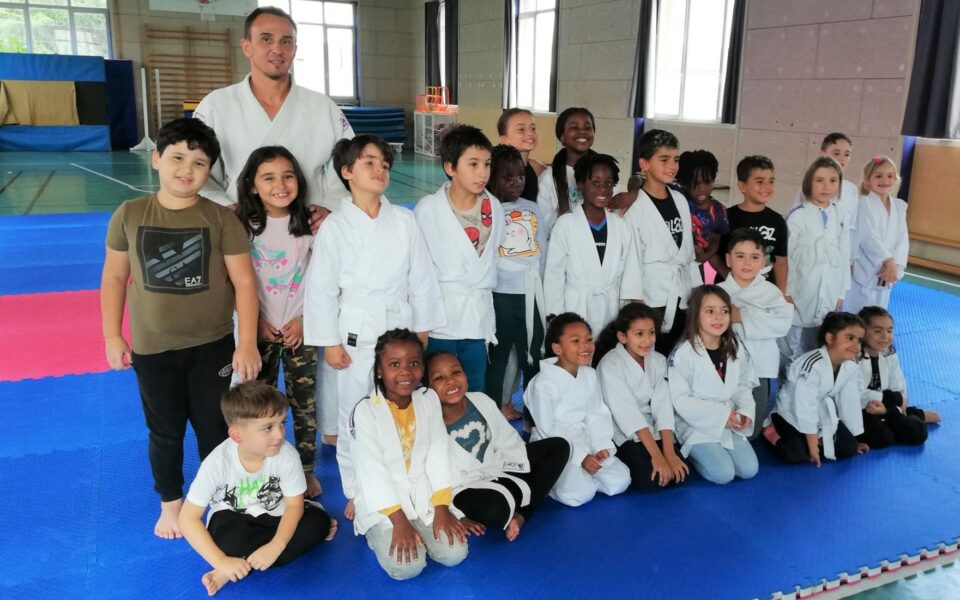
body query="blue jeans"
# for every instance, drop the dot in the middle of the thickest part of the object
(719, 465)
(472, 355)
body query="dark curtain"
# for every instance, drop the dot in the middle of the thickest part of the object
(554, 63)
(452, 55)
(509, 32)
(933, 103)
(644, 35)
(432, 49)
(731, 85)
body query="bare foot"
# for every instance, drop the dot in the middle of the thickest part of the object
(214, 582)
(333, 530)
(931, 416)
(330, 440)
(349, 511)
(167, 526)
(314, 488)
(513, 527)
(510, 413)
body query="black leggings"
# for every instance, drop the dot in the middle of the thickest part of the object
(638, 460)
(547, 459)
(239, 535)
(666, 340)
(177, 386)
(791, 448)
(894, 427)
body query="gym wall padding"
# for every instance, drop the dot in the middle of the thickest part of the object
(121, 104)
(88, 95)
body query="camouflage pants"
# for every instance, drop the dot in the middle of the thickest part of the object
(299, 378)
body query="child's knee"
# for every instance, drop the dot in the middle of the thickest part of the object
(720, 472)
(613, 478)
(447, 555)
(404, 571)
(748, 469)
(576, 494)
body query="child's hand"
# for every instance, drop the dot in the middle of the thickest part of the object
(679, 468)
(789, 299)
(735, 314)
(472, 527)
(293, 334)
(733, 421)
(744, 422)
(233, 568)
(814, 451)
(337, 356)
(405, 540)
(623, 201)
(661, 468)
(443, 520)
(267, 332)
(264, 556)
(591, 464)
(317, 215)
(118, 353)
(875, 407)
(862, 448)
(246, 362)
(602, 455)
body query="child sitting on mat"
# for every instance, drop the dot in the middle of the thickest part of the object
(189, 259)
(887, 419)
(565, 401)
(254, 485)
(818, 409)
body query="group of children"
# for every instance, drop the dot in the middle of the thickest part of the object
(418, 314)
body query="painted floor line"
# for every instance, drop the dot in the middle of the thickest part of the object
(933, 279)
(123, 183)
(36, 196)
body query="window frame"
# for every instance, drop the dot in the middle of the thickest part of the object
(651, 99)
(355, 99)
(511, 67)
(26, 5)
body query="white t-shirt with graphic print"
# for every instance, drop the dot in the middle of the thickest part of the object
(224, 484)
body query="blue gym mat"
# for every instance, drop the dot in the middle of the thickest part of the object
(84, 525)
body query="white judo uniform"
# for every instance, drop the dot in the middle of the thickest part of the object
(765, 317)
(576, 281)
(667, 273)
(849, 203)
(703, 401)
(506, 454)
(819, 270)
(891, 377)
(466, 279)
(572, 408)
(812, 401)
(367, 276)
(881, 235)
(547, 196)
(384, 481)
(308, 125)
(638, 397)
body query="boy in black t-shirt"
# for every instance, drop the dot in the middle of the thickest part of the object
(755, 180)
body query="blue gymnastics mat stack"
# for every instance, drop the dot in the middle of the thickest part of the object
(80, 509)
(384, 121)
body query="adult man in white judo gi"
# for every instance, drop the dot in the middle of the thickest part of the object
(267, 108)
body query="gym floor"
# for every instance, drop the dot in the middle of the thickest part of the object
(47, 183)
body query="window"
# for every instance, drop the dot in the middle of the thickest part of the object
(326, 45)
(692, 45)
(80, 27)
(531, 72)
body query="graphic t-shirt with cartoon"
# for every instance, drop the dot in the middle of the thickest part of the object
(477, 222)
(280, 262)
(524, 244)
(224, 484)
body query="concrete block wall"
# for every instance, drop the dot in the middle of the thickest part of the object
(818, 66)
